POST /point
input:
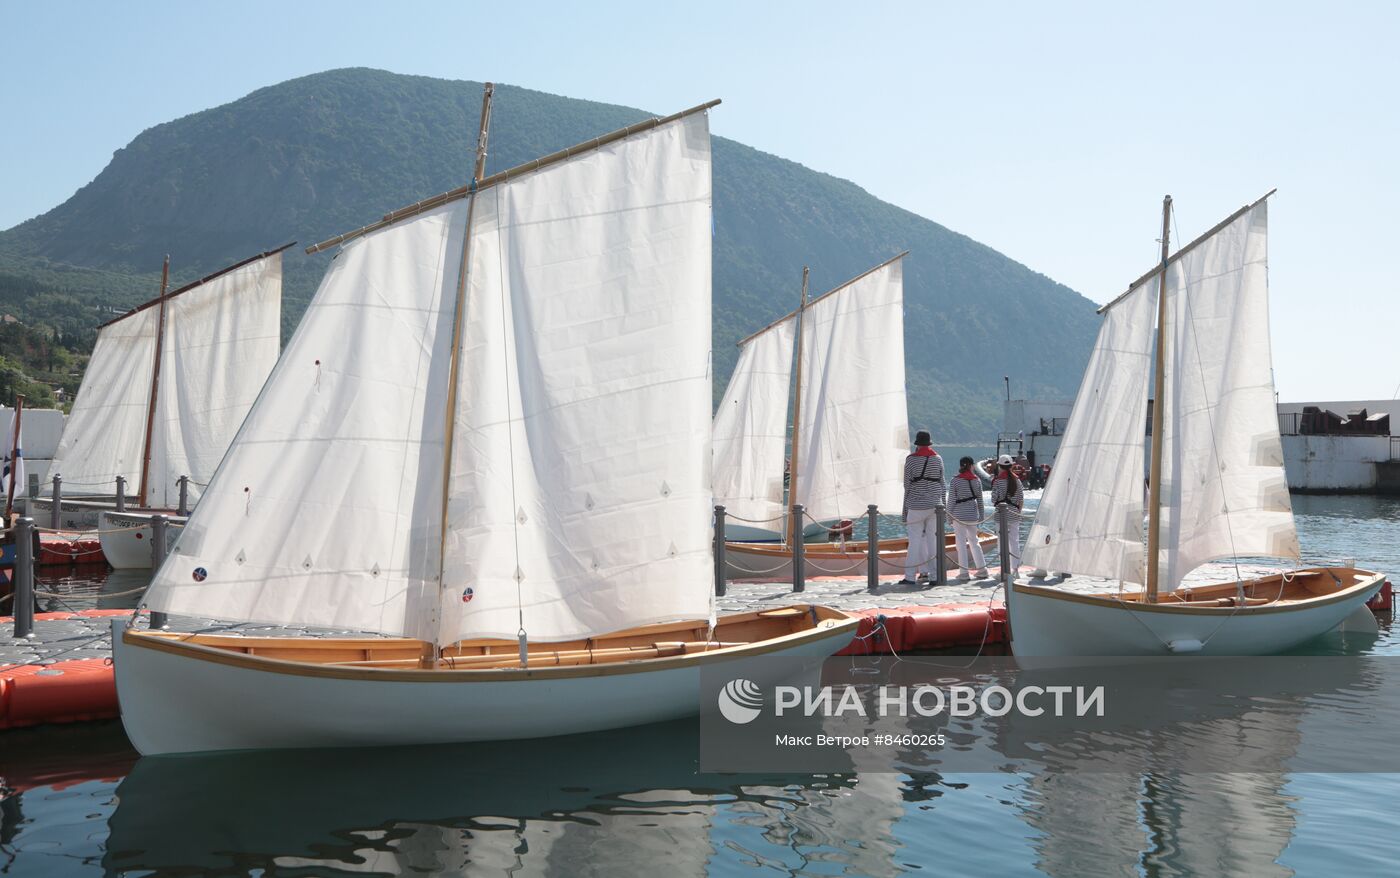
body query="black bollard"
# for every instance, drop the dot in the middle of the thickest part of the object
(57, 511)
(940, 525)
(720, 579)
(24, 578)
(799, 552)
(159, 526)
(872, 549)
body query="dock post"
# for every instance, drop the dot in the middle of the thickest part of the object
(33, 486)
(940, 525)
(1004, 526)
(121, 493)
(57, 512)
(799, 552)
(159, 524)
(184, 496)
(872, 548)
(720, 581)
(24, 578)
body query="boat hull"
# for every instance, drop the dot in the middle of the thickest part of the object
(178, 698)
(747, 533)
(754, 561)
(126, 538)
(75, 515)
(1048, 622)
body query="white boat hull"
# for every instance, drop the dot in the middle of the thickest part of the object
(1047, 622)
(747, 533)
(126, 538)
(189, 699)
(75, 515)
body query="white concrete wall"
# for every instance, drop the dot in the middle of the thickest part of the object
(1333, 463)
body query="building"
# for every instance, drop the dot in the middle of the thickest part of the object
(1347, 446)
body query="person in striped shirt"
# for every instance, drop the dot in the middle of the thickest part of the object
(924, 491)
(965, 508)
(1009, 498)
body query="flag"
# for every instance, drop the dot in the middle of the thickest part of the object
(12, 468)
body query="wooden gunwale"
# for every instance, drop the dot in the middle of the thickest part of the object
(1285, 605)
(852, 549)
(193, 646)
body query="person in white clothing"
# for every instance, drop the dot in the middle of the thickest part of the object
(1008, 498)
(965, 508)
(924, 492)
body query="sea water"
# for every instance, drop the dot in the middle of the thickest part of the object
(79, 802)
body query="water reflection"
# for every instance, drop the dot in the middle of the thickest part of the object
(1160, 824)
(605, 804)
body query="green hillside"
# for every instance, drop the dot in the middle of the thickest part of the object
(319, 155)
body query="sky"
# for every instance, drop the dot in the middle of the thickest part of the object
(1048, 131)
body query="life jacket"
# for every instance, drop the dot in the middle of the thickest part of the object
(925, 452)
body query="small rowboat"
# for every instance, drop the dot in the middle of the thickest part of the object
(774, 561)
(238, 693)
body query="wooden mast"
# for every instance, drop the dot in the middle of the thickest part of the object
(14, 461)
(794, 534)
(1154, 479)
(155, 384)
(458, 309)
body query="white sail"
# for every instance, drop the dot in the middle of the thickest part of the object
(750, 428)
(580, 494)
(1224, 493)
(327, 508)
(582, 420)
(855, 422)
(105, 434)
(221, 342)
(1090, 517)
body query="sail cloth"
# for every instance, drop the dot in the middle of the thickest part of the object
(105, 433)
(221, 341)
(750, 428)
(1090, 517)
(579, 494)
(326, 508)
(1224, 492)
(855, 422)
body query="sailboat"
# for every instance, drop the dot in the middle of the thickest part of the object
(166, 388)
(488, 442)
(850, 430)
(1216, 482)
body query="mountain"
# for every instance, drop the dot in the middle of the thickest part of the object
(323, 154)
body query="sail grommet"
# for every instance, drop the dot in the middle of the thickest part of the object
(665, 490)
(240, 558)
(374, 571)
(306, 563)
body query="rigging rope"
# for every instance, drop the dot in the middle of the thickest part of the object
(516, 511)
